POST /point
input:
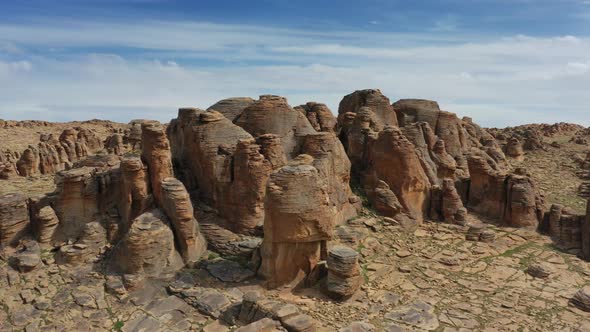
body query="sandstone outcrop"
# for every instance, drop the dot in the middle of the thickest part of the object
(14, 219)
(319, 116)
(393, 159)
(523, 204)
(514, 149)
(231, 108)
(273, 115)
(90, 243)
(179, 209)
(148, 248)
(586, 235)
(344, 276)
(157, 156)
(135, 195)
(44, 225)
(373, 99)
(296, 226)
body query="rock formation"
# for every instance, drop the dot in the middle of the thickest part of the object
(273, 115)
(156, 154)
(344, 275)
(393, 159)
(148, 248)
(14, 219)
(586, 235)
(45, 223)
(135, 194)
(231, 108)
(179, 209)
(295, 225)
(319, 116)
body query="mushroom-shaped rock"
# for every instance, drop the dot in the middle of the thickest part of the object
(298, 218)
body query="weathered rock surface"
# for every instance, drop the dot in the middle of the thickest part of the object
(148, 248)
(582, 299)
(295, 225)
(177, 205)
(393, 159)
(156, 154)
(344, 277)
(14, 219)
(44, 225)
(319, 116)
(231, 108)
(273, 115)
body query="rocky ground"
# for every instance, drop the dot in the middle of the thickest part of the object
(428, 279)
(555, 171)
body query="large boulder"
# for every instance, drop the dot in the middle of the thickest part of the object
(295, 225)
(157, 156)
(14, 218)
(319, 116)
(179, 209)
(147, 250)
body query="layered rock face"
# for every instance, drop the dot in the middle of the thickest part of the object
(273, 115)
(410, 164)
(179, 209)
(223, 162)
(344, 275)
(566, 228)
(135, 191)
(157, 156)
(319, 116)
(148, 248)
(231, 108)
(374, 100)
(227, 168)
(295, 225)
(14, 219)
(394, 160)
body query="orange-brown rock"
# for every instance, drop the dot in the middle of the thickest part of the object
(333, 165)
(157, 156)
(28, 165)
(514, 149)
(417, 110)
(393, 159)
(76, 201)
(231, 108)
(147, 249)
(115, 144)
(135, 190)
(487, 188)
(378, 104)
(179, 209)
(44, 225)
(295, 225)
(224, 162)
(273, 115)
(565, 228)
(523, 204)
(14, 219)
(319, 115)
(271, 148)
(452, 207)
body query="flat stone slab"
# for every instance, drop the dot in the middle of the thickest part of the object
(229, 271)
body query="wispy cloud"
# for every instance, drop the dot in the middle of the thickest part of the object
(78, 70)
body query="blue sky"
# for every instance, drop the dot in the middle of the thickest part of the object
(502, 62)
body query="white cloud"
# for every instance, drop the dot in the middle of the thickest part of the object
(501, 81)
